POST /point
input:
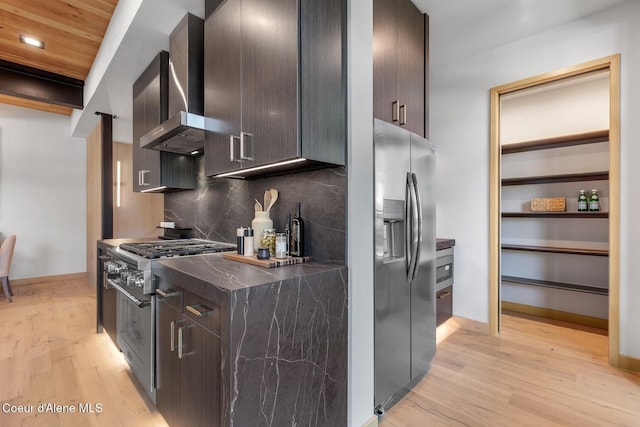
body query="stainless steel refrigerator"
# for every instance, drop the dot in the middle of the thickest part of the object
(405, 308)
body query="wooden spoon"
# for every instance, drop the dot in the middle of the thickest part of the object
(267, 200)
(258, 206)
(274, 197)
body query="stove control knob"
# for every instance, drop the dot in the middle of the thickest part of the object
(140, 281)
(130, 280)
(111, 267)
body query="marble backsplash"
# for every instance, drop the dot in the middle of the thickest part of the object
(217, 207)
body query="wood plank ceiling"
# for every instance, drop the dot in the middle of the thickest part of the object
(72, 31)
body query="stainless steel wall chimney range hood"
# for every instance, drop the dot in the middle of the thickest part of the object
(184, 131)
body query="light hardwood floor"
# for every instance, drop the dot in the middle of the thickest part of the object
(50, 354)
(534, 374)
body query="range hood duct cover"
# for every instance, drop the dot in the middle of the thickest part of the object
(184, 131)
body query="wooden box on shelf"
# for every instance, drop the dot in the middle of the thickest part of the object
(548, 204)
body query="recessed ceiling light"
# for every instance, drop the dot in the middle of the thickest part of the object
(31, 41)
(194, 152)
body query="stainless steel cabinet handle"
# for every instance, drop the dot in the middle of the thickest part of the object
(164, 294)
(394, 111)
(232, 148)
(180, 342)
(418, 238)
(142, 181)
(245, 146)
(173, 342)
(403, 114)
(199, 310)
(412, 236)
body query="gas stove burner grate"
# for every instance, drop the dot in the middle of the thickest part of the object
(170, 248)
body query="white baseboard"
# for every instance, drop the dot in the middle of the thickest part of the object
(47, 279)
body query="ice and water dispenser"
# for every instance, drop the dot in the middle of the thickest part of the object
(394, 229)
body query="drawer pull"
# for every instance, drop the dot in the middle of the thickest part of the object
(443, 294)
(199, 310)
(167, 293)
(395, 111)
(173, 340)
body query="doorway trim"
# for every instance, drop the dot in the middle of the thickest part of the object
(612, 64)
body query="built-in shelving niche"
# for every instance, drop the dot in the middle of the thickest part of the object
(534, 261)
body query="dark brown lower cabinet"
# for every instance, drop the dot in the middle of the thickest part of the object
(444, 305)
(188, 370)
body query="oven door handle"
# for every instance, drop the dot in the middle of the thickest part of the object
(132, 298)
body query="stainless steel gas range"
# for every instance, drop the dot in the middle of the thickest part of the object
(128, 270)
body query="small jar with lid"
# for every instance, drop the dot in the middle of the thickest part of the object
(268, 240)
(281, 245)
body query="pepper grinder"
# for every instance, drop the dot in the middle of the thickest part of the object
(240, 240)
(248, 242)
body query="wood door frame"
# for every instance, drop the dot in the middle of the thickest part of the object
(612, 64)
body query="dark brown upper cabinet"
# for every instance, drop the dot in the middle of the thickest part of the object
(155, 171)
(400, 64)
(275, 83)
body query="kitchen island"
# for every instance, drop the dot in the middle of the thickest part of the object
(281, 335)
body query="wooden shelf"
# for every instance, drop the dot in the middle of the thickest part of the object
(557, 142)
(581, 215)
(550, 179)
(556, 250)
(556, 285)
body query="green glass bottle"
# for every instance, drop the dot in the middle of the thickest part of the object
(583, 203)
(594, 201)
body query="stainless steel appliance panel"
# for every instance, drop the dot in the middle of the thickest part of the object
(423, 301)
(444, 268)
(136, 332)
(404, 289)
(392, 290)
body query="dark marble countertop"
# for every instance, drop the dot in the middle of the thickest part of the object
(444, 244)
(213, 277)
(231, 275)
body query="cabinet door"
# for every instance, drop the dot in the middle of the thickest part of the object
(149, 110)
(270, 79)
(145, 162)
(167, 366)
(385, 61)
(411, 66)
(153, 115)
(223, 66)
(200, 364)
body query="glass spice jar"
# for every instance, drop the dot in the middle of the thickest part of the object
(281, 245)
(269, 240)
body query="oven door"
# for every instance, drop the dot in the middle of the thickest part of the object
(136, 332)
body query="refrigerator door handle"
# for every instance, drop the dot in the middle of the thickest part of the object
(418, 237)
(412, 237)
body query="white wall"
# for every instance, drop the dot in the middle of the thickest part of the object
(460, 127)
(360, 200)
(42, 192)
